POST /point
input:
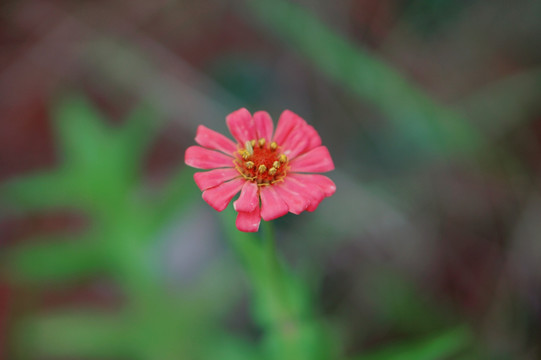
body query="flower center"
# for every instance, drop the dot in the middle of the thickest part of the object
(261, 162)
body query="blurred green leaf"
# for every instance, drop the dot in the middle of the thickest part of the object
(81, 130)
(136, 134)
(100, 175)
(103, 162)
(225, 347)
(77, 334)
(437, 347)
(41, 191)
(427, 125)
(53, 261)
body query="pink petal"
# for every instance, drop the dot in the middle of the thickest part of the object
(315, 139)
(202, 158)
(324, 183)
(241, 125)
(248, 199)
(272, 205)
(300, 140)
(214, 140)
(263, 125)
(206, 180)
(315, 160)
(311, 193)
(249, 221)
(287, 122)
(295, 201)
(219, 196)
(296, 143)
(313, 205)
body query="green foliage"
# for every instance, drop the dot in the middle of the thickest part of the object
(52, 260)
(99, 176)
(69, 334)
(99, 164)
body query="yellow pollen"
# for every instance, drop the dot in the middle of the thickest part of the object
(249, 164)
(272, 171)
(252, 143)
(273, 145)
(245, 155)
(276, 164)
(261, 142)
(262, 169)
(282, 158)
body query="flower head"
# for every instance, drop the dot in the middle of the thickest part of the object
(270, 169)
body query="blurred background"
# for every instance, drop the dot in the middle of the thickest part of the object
(429, 249)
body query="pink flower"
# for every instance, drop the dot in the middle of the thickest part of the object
(271, 171)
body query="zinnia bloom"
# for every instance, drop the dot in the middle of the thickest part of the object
(271, 170)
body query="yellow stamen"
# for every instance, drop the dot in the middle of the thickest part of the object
(245, 155)
(282, 158)
(261, 142)
(249, 164)
(273, 145)
(276, 164)
(262, 169)
(252, 143)
(249, 147)
(272, 171)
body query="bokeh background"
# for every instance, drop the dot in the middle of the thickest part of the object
(429, 249)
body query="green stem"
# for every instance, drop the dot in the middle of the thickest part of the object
(283, 323)
(277, 290)
(280, 302)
